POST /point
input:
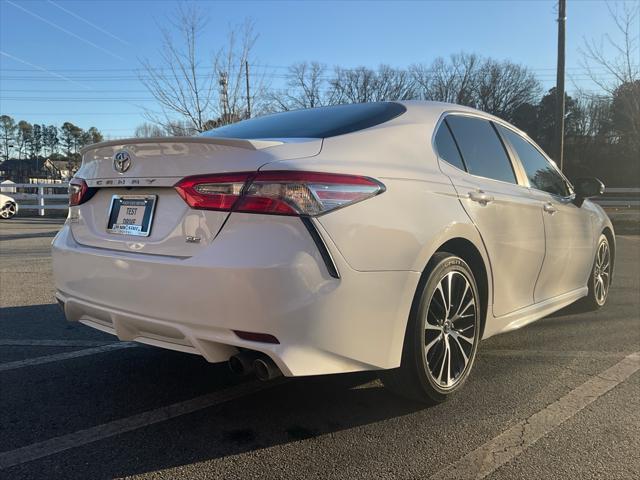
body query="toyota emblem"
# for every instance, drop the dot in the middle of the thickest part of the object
(121, 161)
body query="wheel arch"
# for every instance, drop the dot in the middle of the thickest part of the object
(466, 250)
(468, 246)
(471, 250)
(607, 232)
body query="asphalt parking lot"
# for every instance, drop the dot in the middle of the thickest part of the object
(557, 399)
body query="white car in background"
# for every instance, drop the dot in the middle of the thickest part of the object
(8, 207)
(385, 236)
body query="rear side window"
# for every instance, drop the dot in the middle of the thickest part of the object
(542, 175)
(446, 146)
(481, 148)
(320, 122)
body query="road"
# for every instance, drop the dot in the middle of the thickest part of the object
(557, 399)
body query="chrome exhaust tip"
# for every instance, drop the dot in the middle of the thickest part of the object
(242, 363)
(266, 369)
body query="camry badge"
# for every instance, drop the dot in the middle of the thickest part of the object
(121, 161)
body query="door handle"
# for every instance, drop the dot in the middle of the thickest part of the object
(481, 197)
(549, 208)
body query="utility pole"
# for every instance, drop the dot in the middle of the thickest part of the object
(562, 17)
(224, 97)
(246, 76)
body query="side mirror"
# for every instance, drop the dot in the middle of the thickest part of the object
(587, 188)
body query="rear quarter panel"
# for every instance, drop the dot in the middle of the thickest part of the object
(401, 228)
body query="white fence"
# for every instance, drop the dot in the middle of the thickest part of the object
(39, 193)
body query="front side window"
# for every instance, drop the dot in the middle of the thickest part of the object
(541, 173)
(481, 148)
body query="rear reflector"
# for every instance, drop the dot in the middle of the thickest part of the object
(256, 337)
(277, 192)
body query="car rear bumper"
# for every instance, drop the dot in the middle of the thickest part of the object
(264, 276)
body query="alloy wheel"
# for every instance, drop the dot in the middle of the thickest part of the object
(8, 211)
(450, 330)
(602, 272)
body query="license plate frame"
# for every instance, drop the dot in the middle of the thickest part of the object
(138, 229)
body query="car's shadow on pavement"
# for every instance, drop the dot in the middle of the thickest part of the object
(71, 395)
(303, 409)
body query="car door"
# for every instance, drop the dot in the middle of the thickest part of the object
(568, 230)
(508, 219)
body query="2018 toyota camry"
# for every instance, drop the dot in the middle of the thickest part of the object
(384, 236)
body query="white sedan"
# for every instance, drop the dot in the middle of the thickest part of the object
(386, 236)
(8, 207)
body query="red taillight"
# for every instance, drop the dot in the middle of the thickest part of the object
(277, 192)
(212, 192)
(78, 192)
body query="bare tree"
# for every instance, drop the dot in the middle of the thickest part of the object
(182, 128)
(230, 73)
(466, 79)
(192, 90)
(147, 130)
(394, 84)
(178, 85)
(353, 85)
(305, 88)
(592, 117)
(623, 65)
(452, 80)
(363, 84)
(502, 87)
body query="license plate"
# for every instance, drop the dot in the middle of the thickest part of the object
(131, 214)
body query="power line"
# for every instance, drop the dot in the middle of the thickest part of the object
(92, 92)
(76, 99)
(545, 78)
(68, 32)
(140, 72)
(253, 66)
(210, 71)
(82, 19)
(38, 67)
(77, 113)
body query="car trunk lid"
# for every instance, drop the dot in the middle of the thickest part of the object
(125, 173)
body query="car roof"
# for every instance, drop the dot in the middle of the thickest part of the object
(431, 111)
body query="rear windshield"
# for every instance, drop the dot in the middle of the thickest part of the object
(320, 122)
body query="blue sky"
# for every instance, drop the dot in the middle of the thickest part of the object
(91, 49)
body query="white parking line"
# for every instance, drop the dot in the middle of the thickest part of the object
(64, 356)
(117, 427)
(499, 352)
(503, 448)
(52, 343)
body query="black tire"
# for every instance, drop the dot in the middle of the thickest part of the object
(600, 277)
(417, 378)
